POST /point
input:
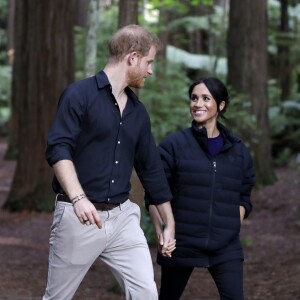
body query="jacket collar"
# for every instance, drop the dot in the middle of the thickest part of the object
(200, 135)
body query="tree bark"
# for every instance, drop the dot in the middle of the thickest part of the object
(81, 12)
(247, 65)
(91, 40)
(128, 12)
(10, 30)
(283, 57)
(43, 66)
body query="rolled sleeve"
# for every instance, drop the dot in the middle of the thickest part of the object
(150, 170)
(66, 127)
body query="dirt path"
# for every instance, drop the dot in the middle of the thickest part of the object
(272, 266)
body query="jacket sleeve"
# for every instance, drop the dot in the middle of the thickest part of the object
(167, 163)
(248, 182)
(167, 156)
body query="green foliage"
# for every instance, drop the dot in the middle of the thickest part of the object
(285, 129)
(3, 9)
(3, 33)
(165, 96)
(3, 42)
(107, 26)
(179, 6)
(5, 92)
(289, 39)
(239, 119)
(215, 24)
(147, 227)
(79, 45)
(246, 241)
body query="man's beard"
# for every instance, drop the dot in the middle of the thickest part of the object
(135, 79)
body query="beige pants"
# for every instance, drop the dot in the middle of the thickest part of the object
(121, 244)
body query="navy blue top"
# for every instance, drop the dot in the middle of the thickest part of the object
(215, 145)
(103, 145)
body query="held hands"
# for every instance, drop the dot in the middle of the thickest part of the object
(164, 227)
(166, 243)
(87, 213)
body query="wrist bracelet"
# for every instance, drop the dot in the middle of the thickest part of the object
(77, 198)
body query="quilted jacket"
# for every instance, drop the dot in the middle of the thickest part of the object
(207, 193)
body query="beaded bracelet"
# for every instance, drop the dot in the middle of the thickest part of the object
(77, 198)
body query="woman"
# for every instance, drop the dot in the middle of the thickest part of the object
(211, 175)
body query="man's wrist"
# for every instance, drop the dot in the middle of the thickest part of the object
(75, 199)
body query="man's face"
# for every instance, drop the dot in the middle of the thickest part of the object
(141, 69)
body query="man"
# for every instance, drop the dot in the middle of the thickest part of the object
(100, 132)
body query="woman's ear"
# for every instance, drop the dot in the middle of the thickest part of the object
(221, 105)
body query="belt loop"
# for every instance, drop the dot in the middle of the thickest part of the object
(56, 200)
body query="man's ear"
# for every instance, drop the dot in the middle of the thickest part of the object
(131, 57)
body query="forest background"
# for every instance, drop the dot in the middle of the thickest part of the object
(252, 45)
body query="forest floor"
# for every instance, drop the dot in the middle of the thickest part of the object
(271, 235)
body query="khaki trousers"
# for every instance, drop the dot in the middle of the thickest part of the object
(120, 243)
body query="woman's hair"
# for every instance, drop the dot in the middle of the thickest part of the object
(217, 89)
(131, 38)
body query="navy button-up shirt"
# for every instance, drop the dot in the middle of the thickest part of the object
(104, 146)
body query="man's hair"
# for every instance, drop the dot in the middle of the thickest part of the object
(131, 38)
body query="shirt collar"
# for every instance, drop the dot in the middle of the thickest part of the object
(102, 81)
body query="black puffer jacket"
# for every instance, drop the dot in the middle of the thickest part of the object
(207, 194)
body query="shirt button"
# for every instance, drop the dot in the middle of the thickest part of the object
(108, 199)
(116, 161)
(116, 103)
(121, 123)
(119, 142)
(112, 181)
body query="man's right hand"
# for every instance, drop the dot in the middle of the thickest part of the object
(87, 213)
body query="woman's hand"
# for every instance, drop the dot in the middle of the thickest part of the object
(242, 213)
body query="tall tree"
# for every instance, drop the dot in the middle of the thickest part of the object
(283, 57)
(247, 74)
(43, 66)
(91, 40)
(128, 12)
(10, 30)
(81, 9)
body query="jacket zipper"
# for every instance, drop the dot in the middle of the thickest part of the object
(214, 163)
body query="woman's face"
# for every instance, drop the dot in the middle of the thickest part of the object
(203, 106)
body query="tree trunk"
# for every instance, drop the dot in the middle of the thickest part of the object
(128, 12)
(10, 30)
(247, 65)
(284, 68)
(43, 66)
(91, 40)
(81, 12)
(13, 35)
